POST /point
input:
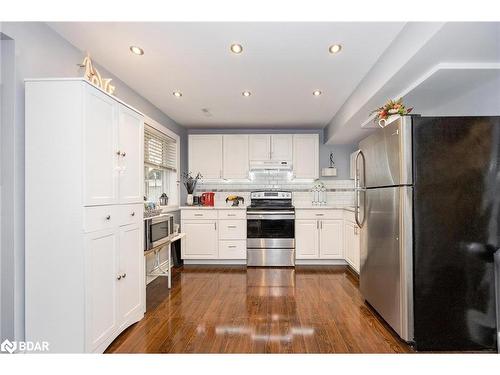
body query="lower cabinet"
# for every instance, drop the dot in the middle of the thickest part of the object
(201, 239)
(214, 234)
(114, 283)
(319, 239)
(352, 244)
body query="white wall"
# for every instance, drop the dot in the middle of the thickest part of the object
(41, 52)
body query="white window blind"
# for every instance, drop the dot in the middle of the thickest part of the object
(160, 150)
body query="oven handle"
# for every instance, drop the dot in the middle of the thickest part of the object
(270, 217)
(270, 212)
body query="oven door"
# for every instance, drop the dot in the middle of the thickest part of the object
(157, 231)
(270, 229)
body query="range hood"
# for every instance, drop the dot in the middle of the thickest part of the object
(259, 165)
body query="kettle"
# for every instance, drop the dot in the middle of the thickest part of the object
(207, 199)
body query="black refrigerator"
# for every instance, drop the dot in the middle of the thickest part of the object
(428, 205)
(456, 216)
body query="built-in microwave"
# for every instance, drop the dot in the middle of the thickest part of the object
(158, 230)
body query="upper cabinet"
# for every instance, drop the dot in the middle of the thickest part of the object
(271, 147)
(205, 155)
(306, 156)
(281, 147)
(235, 156)
(113, 155)
(260, 147)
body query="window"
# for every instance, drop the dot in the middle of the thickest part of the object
(160, 165)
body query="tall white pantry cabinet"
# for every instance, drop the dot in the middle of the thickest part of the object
(84, 259)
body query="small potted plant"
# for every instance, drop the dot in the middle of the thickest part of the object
(190, 183)
(389, 111)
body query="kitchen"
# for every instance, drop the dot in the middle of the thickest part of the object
(227, 208)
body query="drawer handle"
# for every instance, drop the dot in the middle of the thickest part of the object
(320, 214)
(232, 246)
(108, 217)
(231, 226)
(198, 214)
(231, 215)
(133, 214)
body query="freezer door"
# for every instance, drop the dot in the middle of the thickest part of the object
(386, 256)
(387, 155)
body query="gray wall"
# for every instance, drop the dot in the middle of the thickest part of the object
(41, 52)
(341, 153)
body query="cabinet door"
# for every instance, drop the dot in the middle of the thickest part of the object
(201, 239)
(100, 148)
(205, 155)
(282, 147)
(235, 161)
(356, 249)
(306, 239)
(131, 268)
(349, 242)
(131, 159)
(306, 156)
(101, 254)
(260, 147)
(330, 239)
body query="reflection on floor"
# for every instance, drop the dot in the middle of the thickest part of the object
(234, 309)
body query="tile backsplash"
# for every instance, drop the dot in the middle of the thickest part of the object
(339, 192)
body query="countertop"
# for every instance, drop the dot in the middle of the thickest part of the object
(213, 208)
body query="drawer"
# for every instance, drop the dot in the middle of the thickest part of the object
(232, 214)
(130, 214)
(199, 214)
(233, 249)
(232, 230)
(319, 214)
(100, 217)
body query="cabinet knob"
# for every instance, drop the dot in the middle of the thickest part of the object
(124, 275)
(118, 152)
(119, 277)
(124, 154)
(133, 214)
(108, 217)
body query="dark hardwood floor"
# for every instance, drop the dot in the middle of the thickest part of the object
(234, 309)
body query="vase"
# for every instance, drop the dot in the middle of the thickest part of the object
(384, 122)
(189, 200)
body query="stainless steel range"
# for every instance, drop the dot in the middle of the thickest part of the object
(271, 229)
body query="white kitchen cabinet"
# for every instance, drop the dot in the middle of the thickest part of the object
(131, 158)
(100, 148)
(259, 147)
(306, 156)
(306, 239)
(352, 244)
(235, 159)
(331, 239)
(282, 147)
(205, 155)
(87, 228)
(101, 287)
(130, 273)
(201, 239)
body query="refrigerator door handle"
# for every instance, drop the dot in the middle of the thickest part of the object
(357, 187)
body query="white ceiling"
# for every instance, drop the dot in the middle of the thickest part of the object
(282, 63)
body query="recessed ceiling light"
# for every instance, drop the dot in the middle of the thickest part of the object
(335, 48)
(137, 50)
(317, 92)
(236, 48)
(246, 93)
(177, 94)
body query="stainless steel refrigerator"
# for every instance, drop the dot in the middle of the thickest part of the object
(428, 204)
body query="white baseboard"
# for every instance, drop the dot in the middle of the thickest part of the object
(319, 262)
(216, 261)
